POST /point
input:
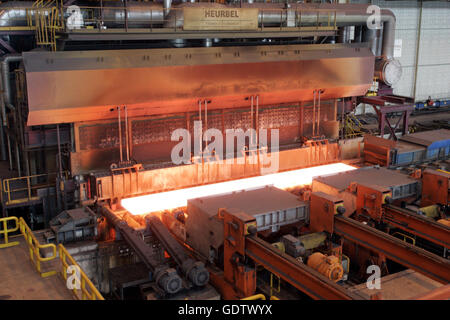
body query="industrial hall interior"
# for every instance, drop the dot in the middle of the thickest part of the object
(225, 150)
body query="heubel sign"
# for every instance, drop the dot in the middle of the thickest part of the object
(220, 19)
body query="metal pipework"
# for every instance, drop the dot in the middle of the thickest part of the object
(138, 14)
(120, 133)
(167, 278)
(167, 4)
(6, 86)
(195, 271)
(275, 15)
(5, 101)
(126, 133)
(15, 13)
(271, 14)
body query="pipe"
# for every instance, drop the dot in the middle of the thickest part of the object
(19, 169)
(200, 143)
(373, 37)
(120, 135)
(9, 152)
(167, 5)
(126, 133)
(137, 14)
(257, 121)
(206, 115)
(318, 114)
(416, 65)
(275, 14)
(2, 142)
(59, 152)
(6, 87)
(271, 14)
(314, 115)
(251, 118)
(14, 13)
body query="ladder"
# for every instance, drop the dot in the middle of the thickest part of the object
(48, 18)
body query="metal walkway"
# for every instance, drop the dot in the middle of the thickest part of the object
(20, 281)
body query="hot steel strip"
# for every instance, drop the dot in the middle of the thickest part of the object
(299, 275)
(399, 251)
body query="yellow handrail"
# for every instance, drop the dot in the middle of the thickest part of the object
(34, 248)
(6, 186)
(272, 289)
(413, 241)
(92, 293)
(256, 297)
(274, 298)
(5, 231)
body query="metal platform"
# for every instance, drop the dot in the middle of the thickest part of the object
(20, 281)
(402, 285)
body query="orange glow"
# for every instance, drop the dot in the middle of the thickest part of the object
(178, 198)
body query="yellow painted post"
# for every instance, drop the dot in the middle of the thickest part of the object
(83, 289)
(5, 231)
(29, 188)
(9, 194)
(272, 289)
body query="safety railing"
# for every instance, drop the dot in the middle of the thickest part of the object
(24, 189)
(85, 289)
(154, 20)
(5, 231)
(47, 24)
(34, 248)
(352, 127)
(273, 289)
(260, 297)
(404, 237)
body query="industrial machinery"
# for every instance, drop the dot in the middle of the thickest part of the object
(99, 98)
(113, 141)
(410, 149)
(395, 202)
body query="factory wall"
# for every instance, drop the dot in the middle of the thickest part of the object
(424, 33)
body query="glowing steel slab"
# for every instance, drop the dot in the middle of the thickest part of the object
(178, 198)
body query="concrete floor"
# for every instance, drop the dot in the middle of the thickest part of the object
(19, 279)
